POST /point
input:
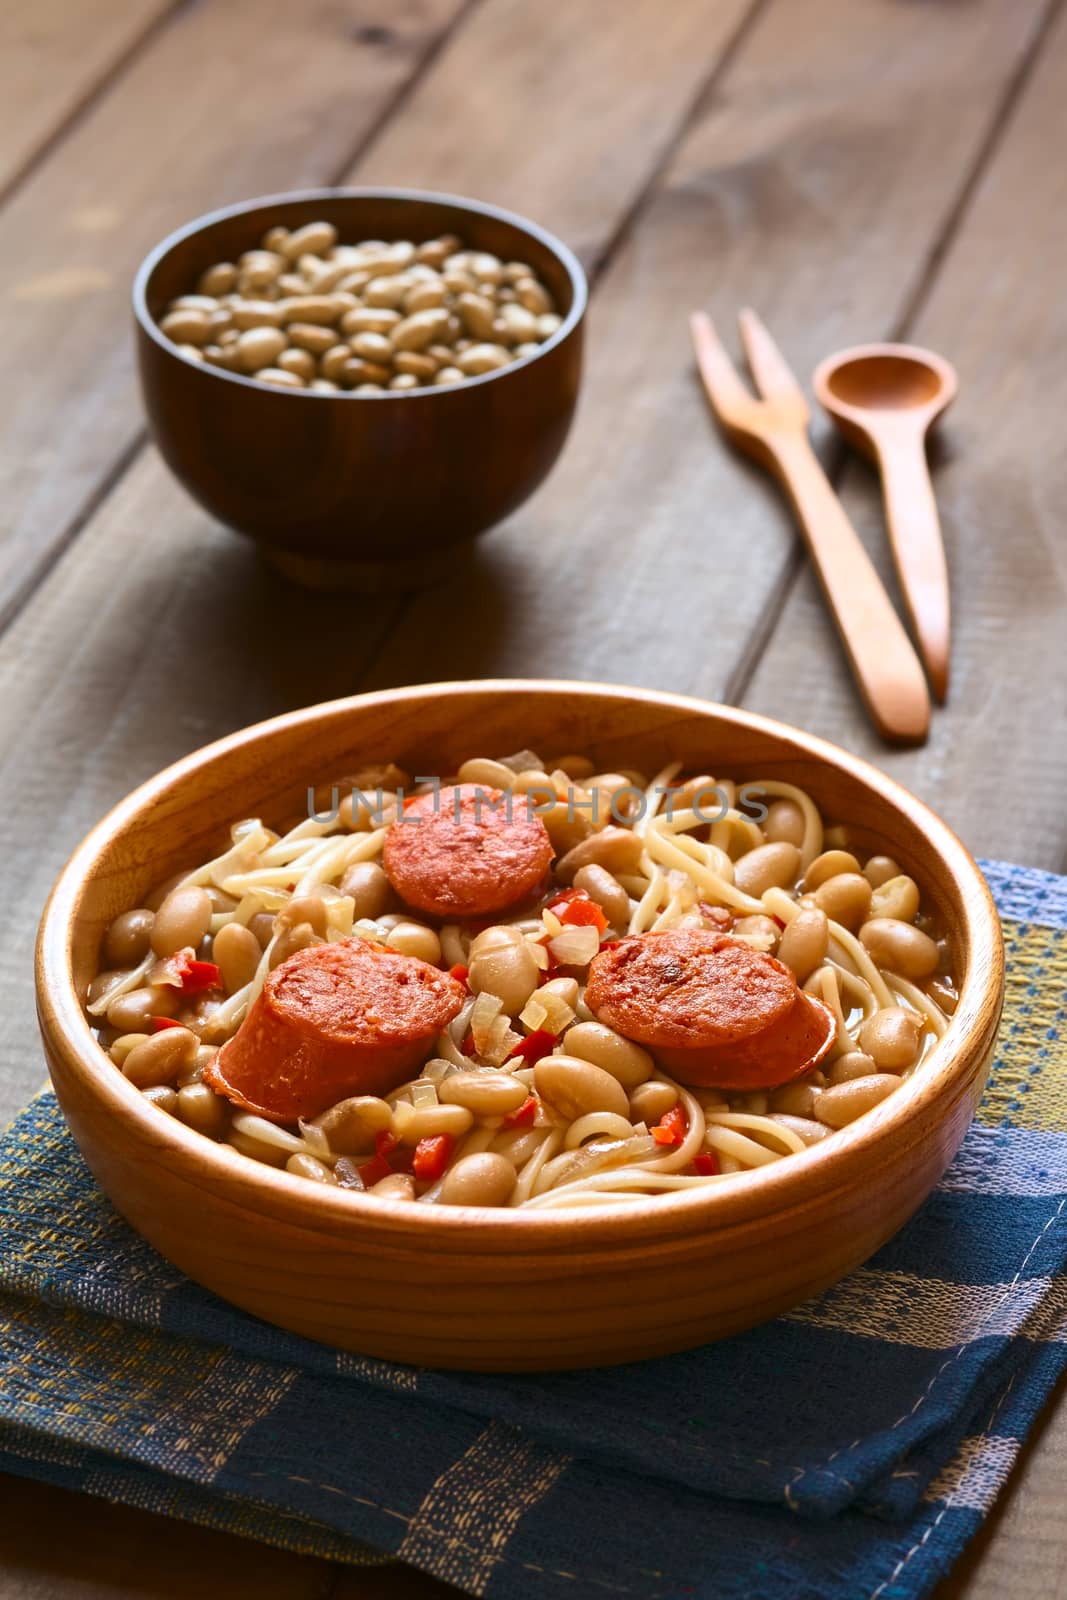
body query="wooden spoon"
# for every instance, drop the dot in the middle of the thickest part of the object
(885, 398)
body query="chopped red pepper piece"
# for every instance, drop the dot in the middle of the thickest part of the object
(159, 1023)
(575, 910)
(535, 1046)
(459, 972)
(706, 1164)
(373, 1171)
(199, 976)
(523, 1116)
(672, 1128)
(467, 1047)
(183, 971)
(432, 1156)
(385, 1142)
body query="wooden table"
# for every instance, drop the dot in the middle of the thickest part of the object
(856, 169)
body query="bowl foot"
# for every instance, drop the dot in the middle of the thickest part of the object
(369, 577)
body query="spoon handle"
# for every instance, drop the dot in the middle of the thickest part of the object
(884, 664)
(918, 548)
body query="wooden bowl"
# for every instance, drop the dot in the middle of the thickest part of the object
(362, 491)
(487, 1289)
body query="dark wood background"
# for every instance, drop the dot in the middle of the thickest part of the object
(855, 169)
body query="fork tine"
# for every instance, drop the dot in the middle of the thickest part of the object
(726, 392)
(771, 373)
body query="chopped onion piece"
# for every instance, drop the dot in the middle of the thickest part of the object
(575, 947)
(539, 953)
(485, 1011)
(264, 1132)
(316, 1141)
(423, 1092)
(438, 1070)
(501, 1040)
(534, 1015)
(558, 1014)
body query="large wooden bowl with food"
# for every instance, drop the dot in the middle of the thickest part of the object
(750, 1146)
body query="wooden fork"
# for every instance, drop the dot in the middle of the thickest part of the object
(774, 429)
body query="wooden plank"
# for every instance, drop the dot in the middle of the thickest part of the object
(1021, 1550)
(996, 762)
(156, 151)
(815, 185)
(182, 610)
(53, 58)
(107, 1550)
(330, 83)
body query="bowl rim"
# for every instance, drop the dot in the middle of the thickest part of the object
(735, 1198)
(563, 253)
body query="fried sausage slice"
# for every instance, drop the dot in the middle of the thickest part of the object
(466, 851)
(715, 1012)
(334, 1020)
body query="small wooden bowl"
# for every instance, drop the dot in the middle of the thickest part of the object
(487, 1289)
(359, 491)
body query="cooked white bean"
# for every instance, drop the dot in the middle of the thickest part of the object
(804, 943)
(236, 951)
(412, 1123)
(606, 891)
(161, 1057)
(891, 1038)
(133, 1011)
(182, 920)
(768, 866)
(624, 1060)
(369, 889)
(899, 947)
(503, 966)
(828, 865)
(574, 1087)
(350, 1125)
(651, 1101)
(846, 898)
(415, 939)
(483, 1179)
(128, 938)
(487, 1094)
(844, 1102)
(897, 897)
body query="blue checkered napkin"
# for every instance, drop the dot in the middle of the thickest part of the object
(847, 1450)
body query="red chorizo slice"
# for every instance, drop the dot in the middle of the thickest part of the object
(466, 851)
(334, 1020)
(715, 1011)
